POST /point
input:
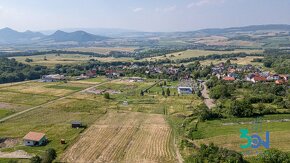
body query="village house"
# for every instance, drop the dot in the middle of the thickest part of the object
(91, 73)
(273, 77)
(284, 77)
(229, 78)
(184, 90)
(258, 79)
(34, 139)
(280, 82)
(52, 78)
(112, 74)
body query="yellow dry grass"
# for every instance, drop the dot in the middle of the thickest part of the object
(102, 50)
(125, 137)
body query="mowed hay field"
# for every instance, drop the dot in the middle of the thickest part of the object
(240, 61)
(197, 53)
(102, 50)
(125, 137)
(65, 59)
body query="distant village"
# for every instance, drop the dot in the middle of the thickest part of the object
(247, 73)
(223, 71)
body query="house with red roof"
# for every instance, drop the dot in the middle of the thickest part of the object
(258, 79)
(229, 78)
(280, 82)
(34, 139)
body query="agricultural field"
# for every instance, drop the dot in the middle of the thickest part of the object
(240, 61)
(197, 53)
(126, 127)
(225, 41)
(65, 59)
(52, 114)
(226, 133)
(125, 137)
(102, 50)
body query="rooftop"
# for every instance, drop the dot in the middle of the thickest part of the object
(34, 136)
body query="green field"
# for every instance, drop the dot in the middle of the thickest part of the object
(54, 118)
(197, 53)
(65, 59)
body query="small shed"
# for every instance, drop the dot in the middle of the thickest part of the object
(76, 124)
(34, 139)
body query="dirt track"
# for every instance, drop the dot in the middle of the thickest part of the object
(125, 137)
(207, 100)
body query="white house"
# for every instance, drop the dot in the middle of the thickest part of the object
(184, 90)
(52, 78)
(34, 139)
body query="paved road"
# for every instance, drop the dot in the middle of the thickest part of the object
(49, 102)
(207, 100)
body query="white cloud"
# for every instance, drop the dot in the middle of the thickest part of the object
(166, 9)
(138, 9)
(204, 2)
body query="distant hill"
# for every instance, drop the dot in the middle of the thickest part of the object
(252, 28)
(8, 35)
(78, 36)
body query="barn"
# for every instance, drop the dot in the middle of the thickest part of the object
(34, 139)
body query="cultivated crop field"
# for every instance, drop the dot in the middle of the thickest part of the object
(197, 53)
(125, 137)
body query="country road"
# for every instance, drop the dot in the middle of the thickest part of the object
(207, 100)
(49, 102)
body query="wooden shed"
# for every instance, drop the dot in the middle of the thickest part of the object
(76, 124)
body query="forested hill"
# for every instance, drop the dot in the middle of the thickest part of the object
(13, 71)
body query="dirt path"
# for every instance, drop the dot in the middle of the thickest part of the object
(178, 155)
(50, 102)
(125, 137)
(16, 154)
(207, 100)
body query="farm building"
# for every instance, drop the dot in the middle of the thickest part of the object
(184, 90)
(34, 139)
(52, 78)
(76, 124)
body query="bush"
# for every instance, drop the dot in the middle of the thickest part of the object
(241, 109)
(107, 95)
(213, 153)
(219, 91)
(274, 155)
(49, 156)
(35, 159)
(207, 114)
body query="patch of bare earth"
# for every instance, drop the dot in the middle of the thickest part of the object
(125, 137)
(15, 154)
(9, 143)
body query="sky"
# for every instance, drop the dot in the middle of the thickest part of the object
(141, 15)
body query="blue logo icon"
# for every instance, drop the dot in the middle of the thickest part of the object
(254, 141)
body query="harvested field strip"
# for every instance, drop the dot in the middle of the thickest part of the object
(125, 137)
